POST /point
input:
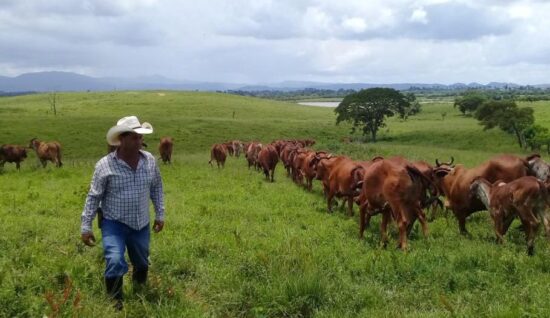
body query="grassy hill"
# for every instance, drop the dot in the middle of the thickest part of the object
(237, 246)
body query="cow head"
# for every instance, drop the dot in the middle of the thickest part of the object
(538, 167)
(319, 155)
(33, 144)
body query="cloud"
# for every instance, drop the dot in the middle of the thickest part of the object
(268, 40)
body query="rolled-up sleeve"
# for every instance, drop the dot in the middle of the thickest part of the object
(157, 194)
(97, 189)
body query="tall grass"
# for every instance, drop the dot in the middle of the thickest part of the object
(235, 245)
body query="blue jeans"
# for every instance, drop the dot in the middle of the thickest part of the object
(117, 237)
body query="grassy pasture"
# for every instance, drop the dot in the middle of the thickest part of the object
(235, 245)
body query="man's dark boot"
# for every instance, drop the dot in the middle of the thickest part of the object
(139, 276)
(114, 290)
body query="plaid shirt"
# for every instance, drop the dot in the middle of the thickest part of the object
(124, 193)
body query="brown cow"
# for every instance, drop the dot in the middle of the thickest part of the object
(341, 184)
(309, 167)
(47, 151)
(426, 169)
(229, 146)
(526, 197)
(165, 149)
(218, 153)
(238, 147)
(287, 156)
(455, 182)
(268, 159)
(252, 154)
(395, 191)
(12, 153)
(298, 157)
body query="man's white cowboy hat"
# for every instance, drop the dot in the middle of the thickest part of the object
(127, 124)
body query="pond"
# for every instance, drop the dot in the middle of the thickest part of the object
(321, 104)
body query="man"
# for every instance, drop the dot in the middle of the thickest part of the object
(122, 184)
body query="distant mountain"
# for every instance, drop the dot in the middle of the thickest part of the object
(67, 81)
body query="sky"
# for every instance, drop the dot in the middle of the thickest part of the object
(268, 41)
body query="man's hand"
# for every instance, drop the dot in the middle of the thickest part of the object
(157, 227)
(88, 238)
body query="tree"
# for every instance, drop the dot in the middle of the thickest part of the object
(370, 107)
(414, 106)
(52, 99)
(470, 102)
(537, 136)
(507, 116)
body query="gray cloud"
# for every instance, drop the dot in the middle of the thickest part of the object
(268, 40)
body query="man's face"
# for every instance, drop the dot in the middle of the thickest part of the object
(131, 141)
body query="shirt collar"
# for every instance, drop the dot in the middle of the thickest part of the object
(142, 158)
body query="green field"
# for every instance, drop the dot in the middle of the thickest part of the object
(235, 245)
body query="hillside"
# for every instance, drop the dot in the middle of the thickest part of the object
(237, 246)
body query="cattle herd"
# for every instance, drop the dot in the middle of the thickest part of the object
(508, 186)
(51, 151)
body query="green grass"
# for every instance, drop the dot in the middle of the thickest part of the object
(237, 246)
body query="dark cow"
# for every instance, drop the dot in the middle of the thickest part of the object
(218, 153)
(165, 149)
(268, 159)
(12, 153)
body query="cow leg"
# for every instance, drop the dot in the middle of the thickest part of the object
(325, 191)
(423, 221)
(498, 225)
(330, 195)
(403, 224)
(350, 205)
(531, 225)
(546, 222)
(17, 165)
(362, 219)
(384, 227)
(507, 222)
(44, 162)
(462, 225)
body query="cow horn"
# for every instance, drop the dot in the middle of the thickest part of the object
(437, 164)
(452, 160)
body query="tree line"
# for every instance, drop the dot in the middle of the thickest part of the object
(506, 115)
(368, 109)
